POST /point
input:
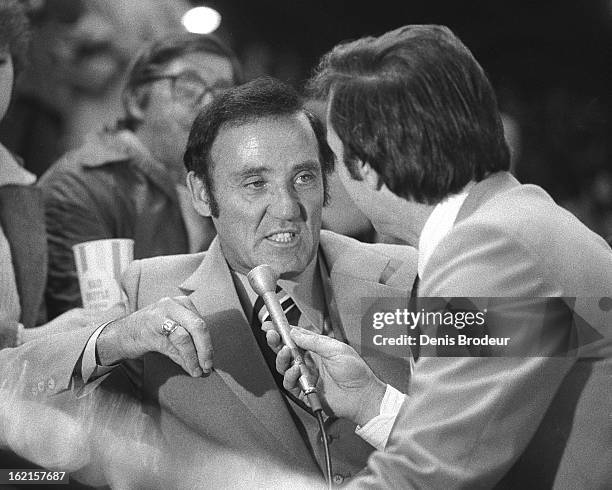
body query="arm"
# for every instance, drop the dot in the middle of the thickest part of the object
(468, 419)
(73, 214)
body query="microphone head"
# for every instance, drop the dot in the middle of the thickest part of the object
(262, 279)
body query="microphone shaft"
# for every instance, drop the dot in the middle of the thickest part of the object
(283, 328)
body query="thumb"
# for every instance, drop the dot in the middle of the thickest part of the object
(322, 345)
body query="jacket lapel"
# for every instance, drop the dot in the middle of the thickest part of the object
(23, 222)
(355, 274)
(237, 358)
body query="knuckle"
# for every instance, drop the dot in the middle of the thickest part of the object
(182, 336)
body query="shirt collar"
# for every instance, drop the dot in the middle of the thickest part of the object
(439, 224)
(11, 173)
(303, 292)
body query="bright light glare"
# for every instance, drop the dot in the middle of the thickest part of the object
(201, 20)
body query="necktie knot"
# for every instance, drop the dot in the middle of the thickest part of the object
(292, 312)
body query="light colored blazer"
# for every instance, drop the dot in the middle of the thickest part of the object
(530, 422)
(238, 407)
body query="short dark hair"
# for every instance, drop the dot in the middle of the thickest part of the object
(154, 57)
(259, 99)
(14, 32)
(416, 106)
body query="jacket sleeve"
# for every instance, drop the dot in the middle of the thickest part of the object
(468, 419)
(74, 213)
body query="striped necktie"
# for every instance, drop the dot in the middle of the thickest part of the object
(260, 315)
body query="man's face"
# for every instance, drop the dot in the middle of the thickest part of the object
(268, 183)
(356, 189)
(173, 102)
(6, 80)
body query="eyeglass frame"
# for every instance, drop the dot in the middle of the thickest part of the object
(211, 90)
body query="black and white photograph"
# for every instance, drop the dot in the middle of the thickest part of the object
(305, 245)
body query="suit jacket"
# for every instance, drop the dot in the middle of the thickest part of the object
(511, 422)
(22, 220)
(238, 407)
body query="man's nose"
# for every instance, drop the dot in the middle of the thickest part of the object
(285, 204)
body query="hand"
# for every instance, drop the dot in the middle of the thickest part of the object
(133, 336)
(344, 380)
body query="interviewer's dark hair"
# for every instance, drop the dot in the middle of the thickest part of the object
(14, 32)
(154, 57)
(416, 106)
(258, 99)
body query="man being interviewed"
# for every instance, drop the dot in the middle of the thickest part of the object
(258, 164)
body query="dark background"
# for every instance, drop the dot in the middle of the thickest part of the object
(548, 60)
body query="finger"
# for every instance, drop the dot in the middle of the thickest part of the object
(322, 345)
(274, 341)
(173, 354)
(182, 341)
(283, 359)
(290, 380)
(267, 326)
(185, 313)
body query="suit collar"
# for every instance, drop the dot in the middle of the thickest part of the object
(361, 277)
(237, 358)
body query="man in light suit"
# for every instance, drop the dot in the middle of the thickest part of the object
(415, 122)
(257, 165)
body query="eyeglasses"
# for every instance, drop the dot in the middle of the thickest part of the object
(190, 89)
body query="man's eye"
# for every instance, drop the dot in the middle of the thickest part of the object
(304, 178)
(255, 184)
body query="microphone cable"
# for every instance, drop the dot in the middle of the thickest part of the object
(328, 462)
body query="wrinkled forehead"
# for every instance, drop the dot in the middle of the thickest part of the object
(276, 143)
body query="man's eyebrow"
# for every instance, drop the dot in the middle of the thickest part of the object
(308, 165)
(263, 169)
(250, 171)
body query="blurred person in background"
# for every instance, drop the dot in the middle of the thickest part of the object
(23, 252)
(78, 63)
(129, 182)
(23, 242)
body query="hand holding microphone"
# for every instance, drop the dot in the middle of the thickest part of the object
(263, 281)
(349, 387)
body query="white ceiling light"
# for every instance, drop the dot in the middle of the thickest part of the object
(201, 20)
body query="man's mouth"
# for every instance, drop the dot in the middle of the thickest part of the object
(282, 237)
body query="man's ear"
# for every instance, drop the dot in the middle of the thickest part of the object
(199, 194)
(369, 175)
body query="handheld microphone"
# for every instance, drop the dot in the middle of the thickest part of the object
(263, 281)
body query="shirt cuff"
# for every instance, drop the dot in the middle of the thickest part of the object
(376, 431)
(90, 369)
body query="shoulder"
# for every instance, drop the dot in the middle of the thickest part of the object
(340, 245)
(148, 280)
(518, 243)
(100, 154)
(385, 263)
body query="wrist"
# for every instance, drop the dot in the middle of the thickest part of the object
(109, 349)
(370, 401)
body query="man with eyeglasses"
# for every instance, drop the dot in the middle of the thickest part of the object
(129, 181)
